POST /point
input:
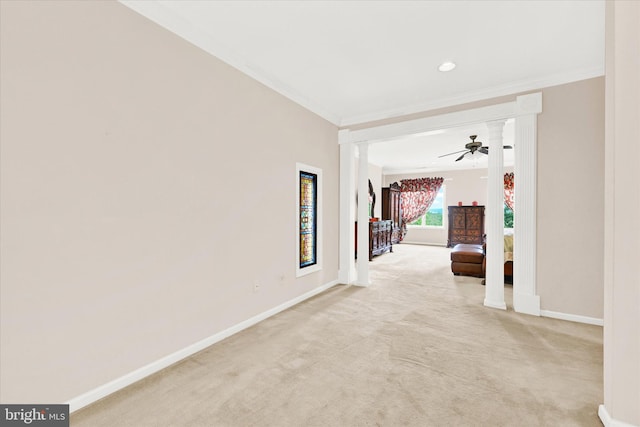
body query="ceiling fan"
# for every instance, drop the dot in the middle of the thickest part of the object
(472, 147)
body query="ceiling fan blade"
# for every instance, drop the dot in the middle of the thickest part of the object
(455, 152)
(461, 157)
(485, 150)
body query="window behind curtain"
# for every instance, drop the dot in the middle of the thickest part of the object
(434, 216)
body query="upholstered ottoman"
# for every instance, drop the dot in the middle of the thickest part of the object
(467, 260)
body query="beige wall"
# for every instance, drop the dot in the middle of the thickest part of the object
(145, 187)
(571, 198)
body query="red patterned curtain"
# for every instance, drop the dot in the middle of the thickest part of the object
(416, 197)
(508, 190)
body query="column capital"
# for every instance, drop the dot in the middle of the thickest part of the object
(494, 124)
(496, 128)
(363, 147)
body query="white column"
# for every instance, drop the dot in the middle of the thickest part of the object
(621, 226)
(363, 215)
(494, 283)
(347, 268)
(525, 299)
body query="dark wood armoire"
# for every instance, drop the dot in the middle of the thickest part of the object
(392, 210)
(466, 225)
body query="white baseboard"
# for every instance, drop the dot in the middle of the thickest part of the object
(608, 421)
(132, 377)
(572, 317)
(424, 243)
(526, 304)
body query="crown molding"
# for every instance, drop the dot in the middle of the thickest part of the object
(494, 92)
(171, 20)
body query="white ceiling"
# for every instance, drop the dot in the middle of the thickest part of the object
(420, 153)
(356, 61)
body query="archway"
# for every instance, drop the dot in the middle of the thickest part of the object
(525, 110)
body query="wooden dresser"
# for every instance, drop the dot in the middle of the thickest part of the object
(379, 238)
(392, 210)
(466, 225)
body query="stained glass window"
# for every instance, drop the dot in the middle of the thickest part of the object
(308, 218)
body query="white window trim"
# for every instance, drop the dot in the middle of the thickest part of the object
(300, 167)
(427, 227)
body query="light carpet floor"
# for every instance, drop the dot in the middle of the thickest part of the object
(416, 348)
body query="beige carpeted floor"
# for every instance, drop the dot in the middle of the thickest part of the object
(416, 348)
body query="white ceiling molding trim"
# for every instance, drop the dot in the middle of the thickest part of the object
(349, 64)
(170, 20)
(494, 92)
(443, 121)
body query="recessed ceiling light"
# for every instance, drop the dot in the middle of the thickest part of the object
(446, 66)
